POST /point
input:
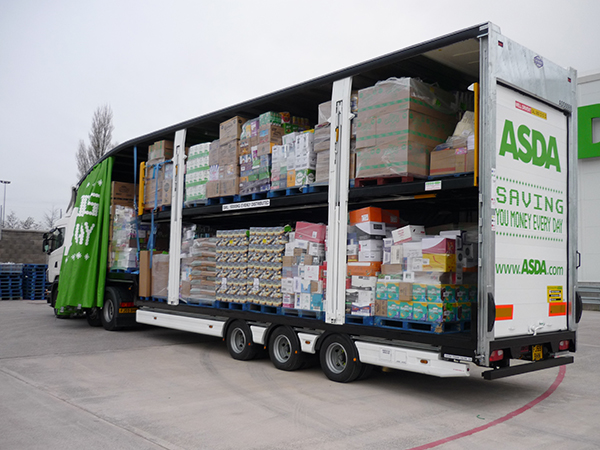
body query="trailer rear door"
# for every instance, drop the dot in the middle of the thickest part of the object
(529, 195)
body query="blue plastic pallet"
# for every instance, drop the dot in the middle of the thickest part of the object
(303, 313)
(359, 320)
(423, 327)
(250, 197)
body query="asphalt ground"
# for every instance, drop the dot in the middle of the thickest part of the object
(66, 385)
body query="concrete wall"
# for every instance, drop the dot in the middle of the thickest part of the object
(22, 246)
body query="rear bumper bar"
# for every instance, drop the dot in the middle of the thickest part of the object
(502, 372)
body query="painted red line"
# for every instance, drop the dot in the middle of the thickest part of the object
(559, 378)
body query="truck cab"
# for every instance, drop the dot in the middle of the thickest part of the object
(53, 246)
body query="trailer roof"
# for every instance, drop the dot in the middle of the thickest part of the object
(451, 61)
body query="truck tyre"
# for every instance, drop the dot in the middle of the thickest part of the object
(339, 359)
(93, 317)
(239, 341)
(112, 300)
(284, 349)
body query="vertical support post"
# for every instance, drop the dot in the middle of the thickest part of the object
(176, 218)
(339, 168)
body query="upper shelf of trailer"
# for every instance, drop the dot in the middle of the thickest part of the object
(451, 61)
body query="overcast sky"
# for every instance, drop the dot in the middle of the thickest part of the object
(157, 65)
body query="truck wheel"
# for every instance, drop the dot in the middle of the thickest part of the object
(284, 349)
(239, 341)
(339, 359)
(108, 317)
(93, 317)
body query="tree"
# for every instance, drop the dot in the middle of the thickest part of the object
(100, 137)
(12, 221)
(50, 218)
(29, 224)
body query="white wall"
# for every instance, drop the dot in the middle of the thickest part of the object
(589, 191)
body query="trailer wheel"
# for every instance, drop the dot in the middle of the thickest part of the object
(239, 341)
(284, 349)
(93, 317)
(112, 300)
(339, 359)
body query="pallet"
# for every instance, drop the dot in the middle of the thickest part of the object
(264, 309)
(250, 197)
(380, 181)
(359, 320)
(423, 327)
(449, 175)
(219, 200)
(302, 313)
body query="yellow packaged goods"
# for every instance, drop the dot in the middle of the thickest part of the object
(439, 263)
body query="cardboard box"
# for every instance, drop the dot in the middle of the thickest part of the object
(381, 308)
(160, 275)
(451, 160)
(230, 129)
(419, 292)
(372, 228)
(438, 244)
(145, 280)
(124, 191)
(213, 153)
(229, 152)
(213, 189)
(304, 176)
(229, 187)
(313, 232)
(400, 309)
(408, 233)
(160, 151)
(420, 311)
(364, 282)
(371, 255)
(439, 263)
(270, 133)
(392, 269)
(364, 269)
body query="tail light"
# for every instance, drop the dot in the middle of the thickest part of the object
(563, 345)
(497, 355)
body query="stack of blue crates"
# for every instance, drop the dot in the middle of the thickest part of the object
(11, 282)
(34, 281)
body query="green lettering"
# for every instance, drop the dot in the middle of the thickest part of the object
(539, 158)
(501, 193)
(523, 133)
(508, 143)
(552, 155)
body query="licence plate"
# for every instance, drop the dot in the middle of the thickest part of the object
(536, 352)
(127, 310)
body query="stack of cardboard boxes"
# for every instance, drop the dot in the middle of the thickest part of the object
(232, 265)
(399, 122)
(303, 275)
(265, 259)
(198, 267)
(158, 179)
(366, 234)
(196, 173)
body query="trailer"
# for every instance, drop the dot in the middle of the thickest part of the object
(519, 198)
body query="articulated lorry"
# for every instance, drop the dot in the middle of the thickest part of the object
(501, 294)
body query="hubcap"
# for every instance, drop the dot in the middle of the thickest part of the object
(238, 340)
(109, 311)
(336, 358)
(282, 348)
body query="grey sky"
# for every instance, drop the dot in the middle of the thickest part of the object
(157, 65)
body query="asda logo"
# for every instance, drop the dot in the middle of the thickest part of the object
(529, 146)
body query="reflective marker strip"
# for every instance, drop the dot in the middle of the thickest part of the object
(558, 309)
(504, 312)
